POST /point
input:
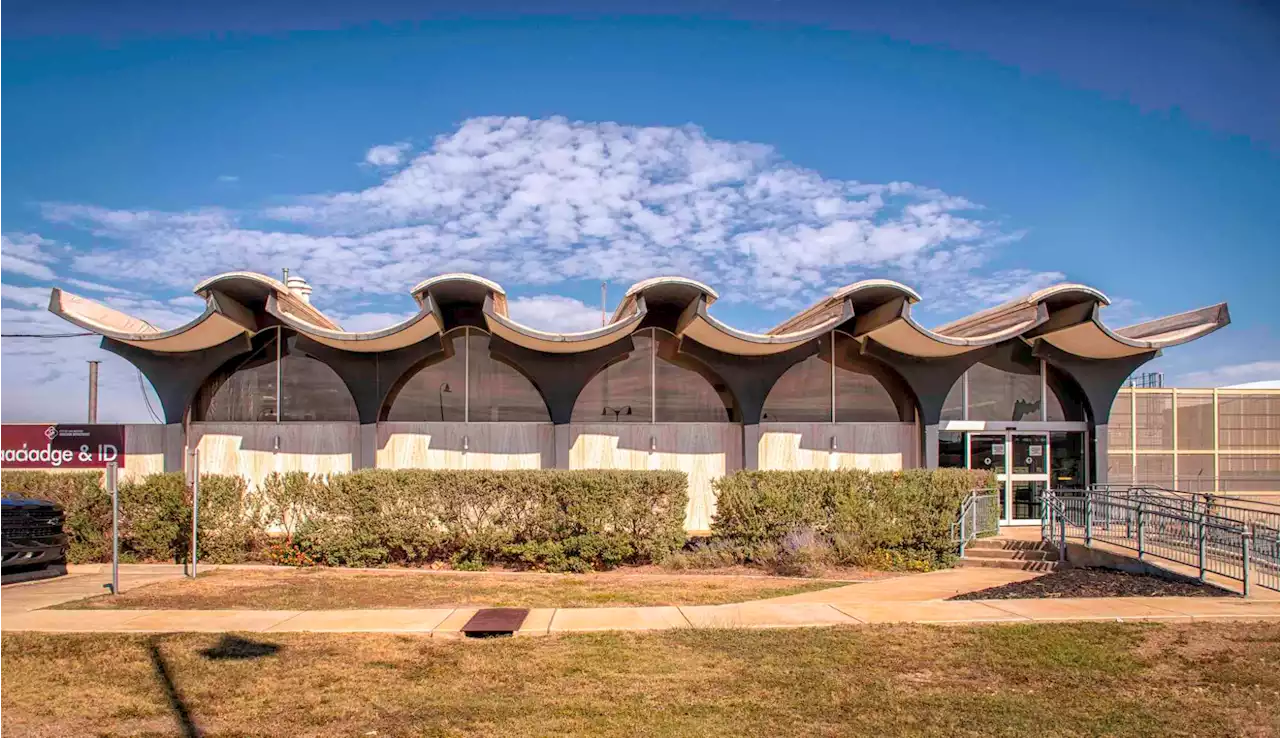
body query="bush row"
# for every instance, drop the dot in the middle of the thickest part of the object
(155, 515)
(552, 519)
(795, 522)
(547, 519)
(798, 521)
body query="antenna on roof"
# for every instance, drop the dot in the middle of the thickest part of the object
(604, 313)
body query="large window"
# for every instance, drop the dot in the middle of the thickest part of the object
(467, 385)
(246, 391)
(996, 394)
(1000, 394)
(804, 395)
(654, 384)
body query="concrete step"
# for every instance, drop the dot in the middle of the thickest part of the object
(1011, 554)
(1007, 544)
(1045, 566)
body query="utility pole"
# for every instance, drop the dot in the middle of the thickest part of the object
(604, 315)
(93, 392)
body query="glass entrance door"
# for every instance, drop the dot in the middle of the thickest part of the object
(1028, 474)
(1020, 463)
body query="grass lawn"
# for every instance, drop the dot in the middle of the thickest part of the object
(335, 589)
(1006, 680)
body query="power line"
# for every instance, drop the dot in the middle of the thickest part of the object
(146, 399)
(46, 335)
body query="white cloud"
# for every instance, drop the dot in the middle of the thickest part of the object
(554, 313)
(29, 296)
(1228, 374)
(96, 287)
(23, 253)
(387, 155)
(544, 201)
(524, 202)
(228, 178)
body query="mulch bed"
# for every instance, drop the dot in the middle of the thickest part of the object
(1094, 583)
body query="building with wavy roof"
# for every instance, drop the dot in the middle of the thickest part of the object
(263, 381)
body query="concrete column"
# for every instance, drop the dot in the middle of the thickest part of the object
(751, 446)
(173, 446)
(562, 446)
(1100, 454)
(931, 446)
(367, 458)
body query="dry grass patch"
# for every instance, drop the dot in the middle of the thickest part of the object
(335, 589)
(1026, 680)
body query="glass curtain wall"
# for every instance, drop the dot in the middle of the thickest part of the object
(990, 393)
(247, 391)
(1026, 458)
(830, 386)
(655, 384)
(468, 385)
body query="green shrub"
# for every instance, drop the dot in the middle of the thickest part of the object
(155, 515)
(232, 522)
(155, 518)
(706, 554)
(892, 520)
(545, 519)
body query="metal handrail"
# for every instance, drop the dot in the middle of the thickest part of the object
(1256, 514)
(967, 525)
(1175, 529)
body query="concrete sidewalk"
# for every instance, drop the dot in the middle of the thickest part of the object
(447, 622)
(918, 598)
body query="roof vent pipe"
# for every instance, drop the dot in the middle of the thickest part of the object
(299, 287)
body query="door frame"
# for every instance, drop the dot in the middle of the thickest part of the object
(1006, 478)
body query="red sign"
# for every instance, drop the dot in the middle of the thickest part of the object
(58, 446)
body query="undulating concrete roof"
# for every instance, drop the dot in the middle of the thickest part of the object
(1066, 316)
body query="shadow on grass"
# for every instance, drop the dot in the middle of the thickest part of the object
(229, 647)
(234, 648)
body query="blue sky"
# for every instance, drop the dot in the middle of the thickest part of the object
(774, 152)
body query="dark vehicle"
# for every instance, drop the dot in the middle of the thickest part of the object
(34, 546)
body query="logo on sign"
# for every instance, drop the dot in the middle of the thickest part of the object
(61, 447)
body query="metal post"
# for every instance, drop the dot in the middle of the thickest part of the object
(466, 373)
(93, 392)
(1088, 518)
(279, 375)
(1246, 540)
(1140, 530)
(1203, 567)
(1062, 538)
(195, 509)
(113, 487)
(964, 524)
